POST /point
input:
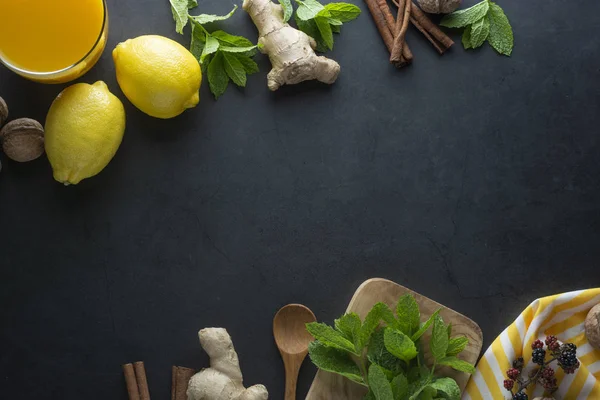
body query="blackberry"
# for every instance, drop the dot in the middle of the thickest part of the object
(512, 373)
(549, 384)
(548, 373)
(568, 357)
(508, 384)
(552, 343)
(537, 344)
(520, 396)
(538, 356)
(572, 369)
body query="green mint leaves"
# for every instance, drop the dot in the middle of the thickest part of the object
(384, 352)
(321, 21)
(484, 21)
(224, 57)
(334, 360)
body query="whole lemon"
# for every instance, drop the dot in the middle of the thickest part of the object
(158, 75)
(84, 129)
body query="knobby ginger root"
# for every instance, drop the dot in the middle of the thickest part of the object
(290, 50)
(223, 380)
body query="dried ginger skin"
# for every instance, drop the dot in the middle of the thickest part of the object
(290, 50)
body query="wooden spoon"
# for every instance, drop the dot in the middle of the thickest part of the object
(292, 339)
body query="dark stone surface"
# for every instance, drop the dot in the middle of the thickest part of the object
(471, 178)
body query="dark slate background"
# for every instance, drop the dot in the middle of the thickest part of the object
(471, 178)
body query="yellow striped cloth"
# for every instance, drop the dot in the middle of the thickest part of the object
(561, 315)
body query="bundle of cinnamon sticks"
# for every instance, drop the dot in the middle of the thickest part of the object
(393, 31)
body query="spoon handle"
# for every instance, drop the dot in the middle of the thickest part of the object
(292, 367)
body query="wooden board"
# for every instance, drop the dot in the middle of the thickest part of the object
(328, 386)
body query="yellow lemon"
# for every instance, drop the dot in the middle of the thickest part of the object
(158, 75)
(84, 128)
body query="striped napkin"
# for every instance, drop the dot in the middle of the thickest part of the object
(562, 315)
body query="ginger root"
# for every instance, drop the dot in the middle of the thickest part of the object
(290, 50)
(223, 380)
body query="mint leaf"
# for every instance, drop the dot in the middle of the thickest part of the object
(408, 313)
(399, 345)
(198, 41)
(449, 330)
(349, 325)
(208, 18)
(448, 386)
(335, 29)
(439, 339)
(400, 387)
(308, 9)
(230, 40)
(288, 9)
(456, 345)
(179, 8)
(249, 64)
(230, 49)
(325, 30)
(192, 3)
(415, 388)
(466, 37)
(425, 326)
(379, 384)
(330, 337)
(468, 16)
(235, 70)
(457, 364)
(344, 12)
(501, 34)
(310, 28)
(217, 77)
(480, 31)
(378, 354)
(380, 311)
(210, 46)
(334, 360)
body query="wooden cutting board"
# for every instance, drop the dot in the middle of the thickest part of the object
(328, 386)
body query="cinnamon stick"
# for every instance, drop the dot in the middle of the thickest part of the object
(402, 21)
(180, 379)
(432, 32)
(142, 382)
(131, 382)
(381, 23)
(385, 14)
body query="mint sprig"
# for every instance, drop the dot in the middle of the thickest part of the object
(385, 352)
(321, 21)
(483, 21)
(223, 57)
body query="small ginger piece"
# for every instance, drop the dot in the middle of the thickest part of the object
(291, 51)
(223, 380)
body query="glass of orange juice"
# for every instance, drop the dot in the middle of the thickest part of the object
(52, 41)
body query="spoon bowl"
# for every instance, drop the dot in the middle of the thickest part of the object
(292, 339)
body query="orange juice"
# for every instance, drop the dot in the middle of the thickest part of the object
(52, 40)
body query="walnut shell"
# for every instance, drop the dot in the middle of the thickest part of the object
(23, 139)
(592, 326)
(439, 6)
(3, 112)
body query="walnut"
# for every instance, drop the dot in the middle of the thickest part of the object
(439, 6)
(23, 139)
(3, 112)
(592, 326)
